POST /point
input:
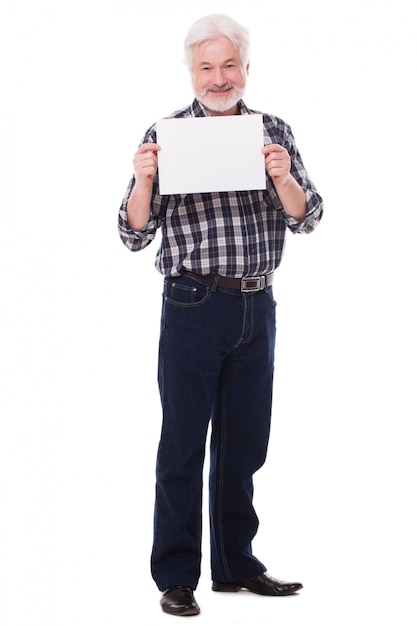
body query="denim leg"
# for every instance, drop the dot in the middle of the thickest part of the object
(240, 434)
(188, 373)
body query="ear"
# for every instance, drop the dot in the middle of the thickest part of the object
(247, 69)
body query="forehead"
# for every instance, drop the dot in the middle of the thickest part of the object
(215, 51)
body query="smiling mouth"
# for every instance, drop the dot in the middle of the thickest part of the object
(221, 91)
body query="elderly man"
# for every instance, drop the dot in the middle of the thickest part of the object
(218, 253)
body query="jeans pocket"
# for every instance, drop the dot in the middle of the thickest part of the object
(187, 295)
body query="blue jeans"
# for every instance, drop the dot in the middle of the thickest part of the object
(216, 361)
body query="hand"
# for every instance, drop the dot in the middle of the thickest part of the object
(145, 162)
(277, 163)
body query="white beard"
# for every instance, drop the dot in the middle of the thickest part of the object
(220, 105)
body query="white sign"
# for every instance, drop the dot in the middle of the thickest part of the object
(209, 154)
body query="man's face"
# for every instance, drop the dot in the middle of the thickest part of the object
(218, 76)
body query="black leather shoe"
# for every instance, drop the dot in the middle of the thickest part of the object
(179, 600)
(263, 584)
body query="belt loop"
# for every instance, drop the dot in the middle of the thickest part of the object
(214, 283)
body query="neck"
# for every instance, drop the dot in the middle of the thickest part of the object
(233, 111)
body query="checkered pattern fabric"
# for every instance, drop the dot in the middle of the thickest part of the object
(233, 234)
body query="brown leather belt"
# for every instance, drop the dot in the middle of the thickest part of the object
(247, 284)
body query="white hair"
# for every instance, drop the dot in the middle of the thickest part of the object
(215, 26)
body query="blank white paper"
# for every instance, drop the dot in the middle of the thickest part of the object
(209, 154)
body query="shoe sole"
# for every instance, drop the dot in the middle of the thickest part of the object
(233, 588)
(184, 612)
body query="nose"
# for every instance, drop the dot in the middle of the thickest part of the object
(219, 79)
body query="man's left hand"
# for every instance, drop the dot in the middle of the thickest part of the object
(277, 163)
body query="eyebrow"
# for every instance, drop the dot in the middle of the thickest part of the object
(224, 62)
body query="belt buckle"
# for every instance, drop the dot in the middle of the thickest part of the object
(251, 284)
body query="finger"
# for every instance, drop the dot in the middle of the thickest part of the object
(276, 164)
(149, 147)
(271, 148)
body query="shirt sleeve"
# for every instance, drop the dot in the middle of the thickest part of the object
(314, 208)
(136, 240)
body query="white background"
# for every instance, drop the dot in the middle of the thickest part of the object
(79, 313)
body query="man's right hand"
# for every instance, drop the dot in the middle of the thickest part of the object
(145, 163)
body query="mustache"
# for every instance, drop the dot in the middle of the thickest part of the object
(225, 87)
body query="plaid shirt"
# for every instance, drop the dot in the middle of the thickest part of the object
(233, 234)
